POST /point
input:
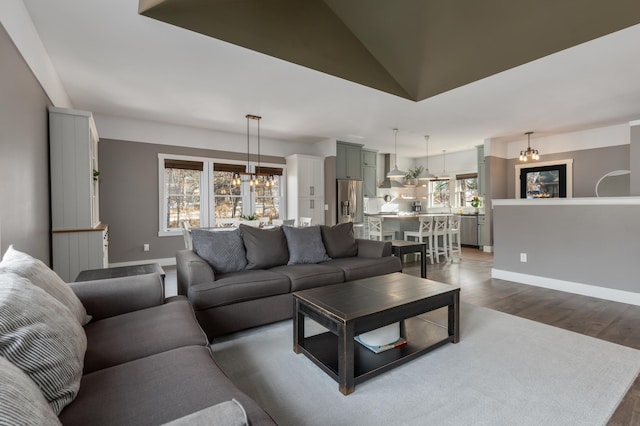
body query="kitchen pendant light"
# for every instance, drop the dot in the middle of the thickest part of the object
(395, 172)
(426, 175)
(444, 166)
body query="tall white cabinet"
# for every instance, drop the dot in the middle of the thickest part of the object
(80, 241)
(305, 188)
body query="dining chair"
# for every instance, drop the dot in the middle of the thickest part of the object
(264, 221)
(186, 234)
(305, 221)
(424, 234)
(453, 234)
(375, 229)
(440, 224)
(225, 222)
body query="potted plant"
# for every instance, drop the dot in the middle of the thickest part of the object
(475, 203)
(253, 216)
(411, 178)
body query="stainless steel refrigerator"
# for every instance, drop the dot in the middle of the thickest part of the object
(350, 201)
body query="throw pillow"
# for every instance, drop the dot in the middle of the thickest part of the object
(266, 248)
(223, 250)
(42, 276)
(339, 240)
(21, 402)
(40, 336)
(305, 245)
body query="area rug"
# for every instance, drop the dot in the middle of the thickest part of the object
(506, 370)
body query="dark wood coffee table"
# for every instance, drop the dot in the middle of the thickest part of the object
(355, 307)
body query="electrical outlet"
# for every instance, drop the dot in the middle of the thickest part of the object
(145, 247)
(326, 207)
(523, 257)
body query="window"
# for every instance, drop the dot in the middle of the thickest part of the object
(227, 197)
(201, 190)
(466, 189)
(439, 193)
(182, 180)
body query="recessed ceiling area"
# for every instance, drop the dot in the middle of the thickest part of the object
(409, 48)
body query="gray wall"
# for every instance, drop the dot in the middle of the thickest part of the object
(495, 170)
(129, 197)
(586, 244)
(589, 166)
(24, 156)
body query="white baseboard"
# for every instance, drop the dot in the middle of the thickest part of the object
(569, 286)
(487, 249)
(168, 261)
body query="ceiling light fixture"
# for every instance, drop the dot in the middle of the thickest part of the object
(426, 175)
(529, 153)
(257, 176)
(395, 172)
(444, 166)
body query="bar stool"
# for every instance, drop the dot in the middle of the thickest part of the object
(453, 232)
(375, 229)
(440, 230)
(424, 234)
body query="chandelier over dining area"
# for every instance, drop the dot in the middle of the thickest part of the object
(258, 176)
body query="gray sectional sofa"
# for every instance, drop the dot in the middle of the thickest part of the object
(243, 278)
(107, 352)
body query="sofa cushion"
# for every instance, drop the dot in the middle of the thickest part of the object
(265, 247)
(41, 337)
(138, 334)
(228, 413)
(238, 287)
(339, 240)
(42, 276)
(155, 390)
(223, 250)
(310, 275)
(305, 245)
(21, 402)
(356, 268)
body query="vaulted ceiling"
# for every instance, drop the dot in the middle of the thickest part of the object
(410, 48)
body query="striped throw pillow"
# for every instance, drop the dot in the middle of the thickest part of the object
(41, 337)
(21, 402)
(42, 276)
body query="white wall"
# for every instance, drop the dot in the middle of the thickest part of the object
(129, 129)
(455, 162)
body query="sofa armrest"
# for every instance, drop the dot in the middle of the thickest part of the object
(373, 248)
(191, 270)
(110, 297)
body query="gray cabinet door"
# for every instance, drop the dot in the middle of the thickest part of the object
(369, 181)
(348, 161)
(469, 230)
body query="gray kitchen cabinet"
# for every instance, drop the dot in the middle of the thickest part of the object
(469, 230)
(348, 161)
(369, 173)
(481, 222)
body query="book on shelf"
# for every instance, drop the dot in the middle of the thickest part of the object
(377, 349)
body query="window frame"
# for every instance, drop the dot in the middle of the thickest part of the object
(207, 197)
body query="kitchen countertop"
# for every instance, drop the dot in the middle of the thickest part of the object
(411, 216)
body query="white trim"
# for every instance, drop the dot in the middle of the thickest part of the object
(568, 162)
(167, 261)
(615, 295)
(487, 249)
(634, 123)
(583, 201)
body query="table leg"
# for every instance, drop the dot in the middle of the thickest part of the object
(298, 327)
(454, 318)
(423, 261)
(346, 383)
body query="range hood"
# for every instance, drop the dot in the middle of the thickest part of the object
(389, 183)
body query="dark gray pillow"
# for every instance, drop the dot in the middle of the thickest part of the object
(339, 240)
(266, 248)
(223, 250)
(305, 245)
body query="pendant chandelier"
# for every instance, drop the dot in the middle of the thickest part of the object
(395, 172)
(529, 153)
(426, 175)
(257, 177)
(444, 174)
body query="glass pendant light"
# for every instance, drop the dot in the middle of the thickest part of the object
(395, 172)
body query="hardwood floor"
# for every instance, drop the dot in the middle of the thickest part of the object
(611, 321)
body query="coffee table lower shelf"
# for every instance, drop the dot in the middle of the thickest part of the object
(422, 336)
